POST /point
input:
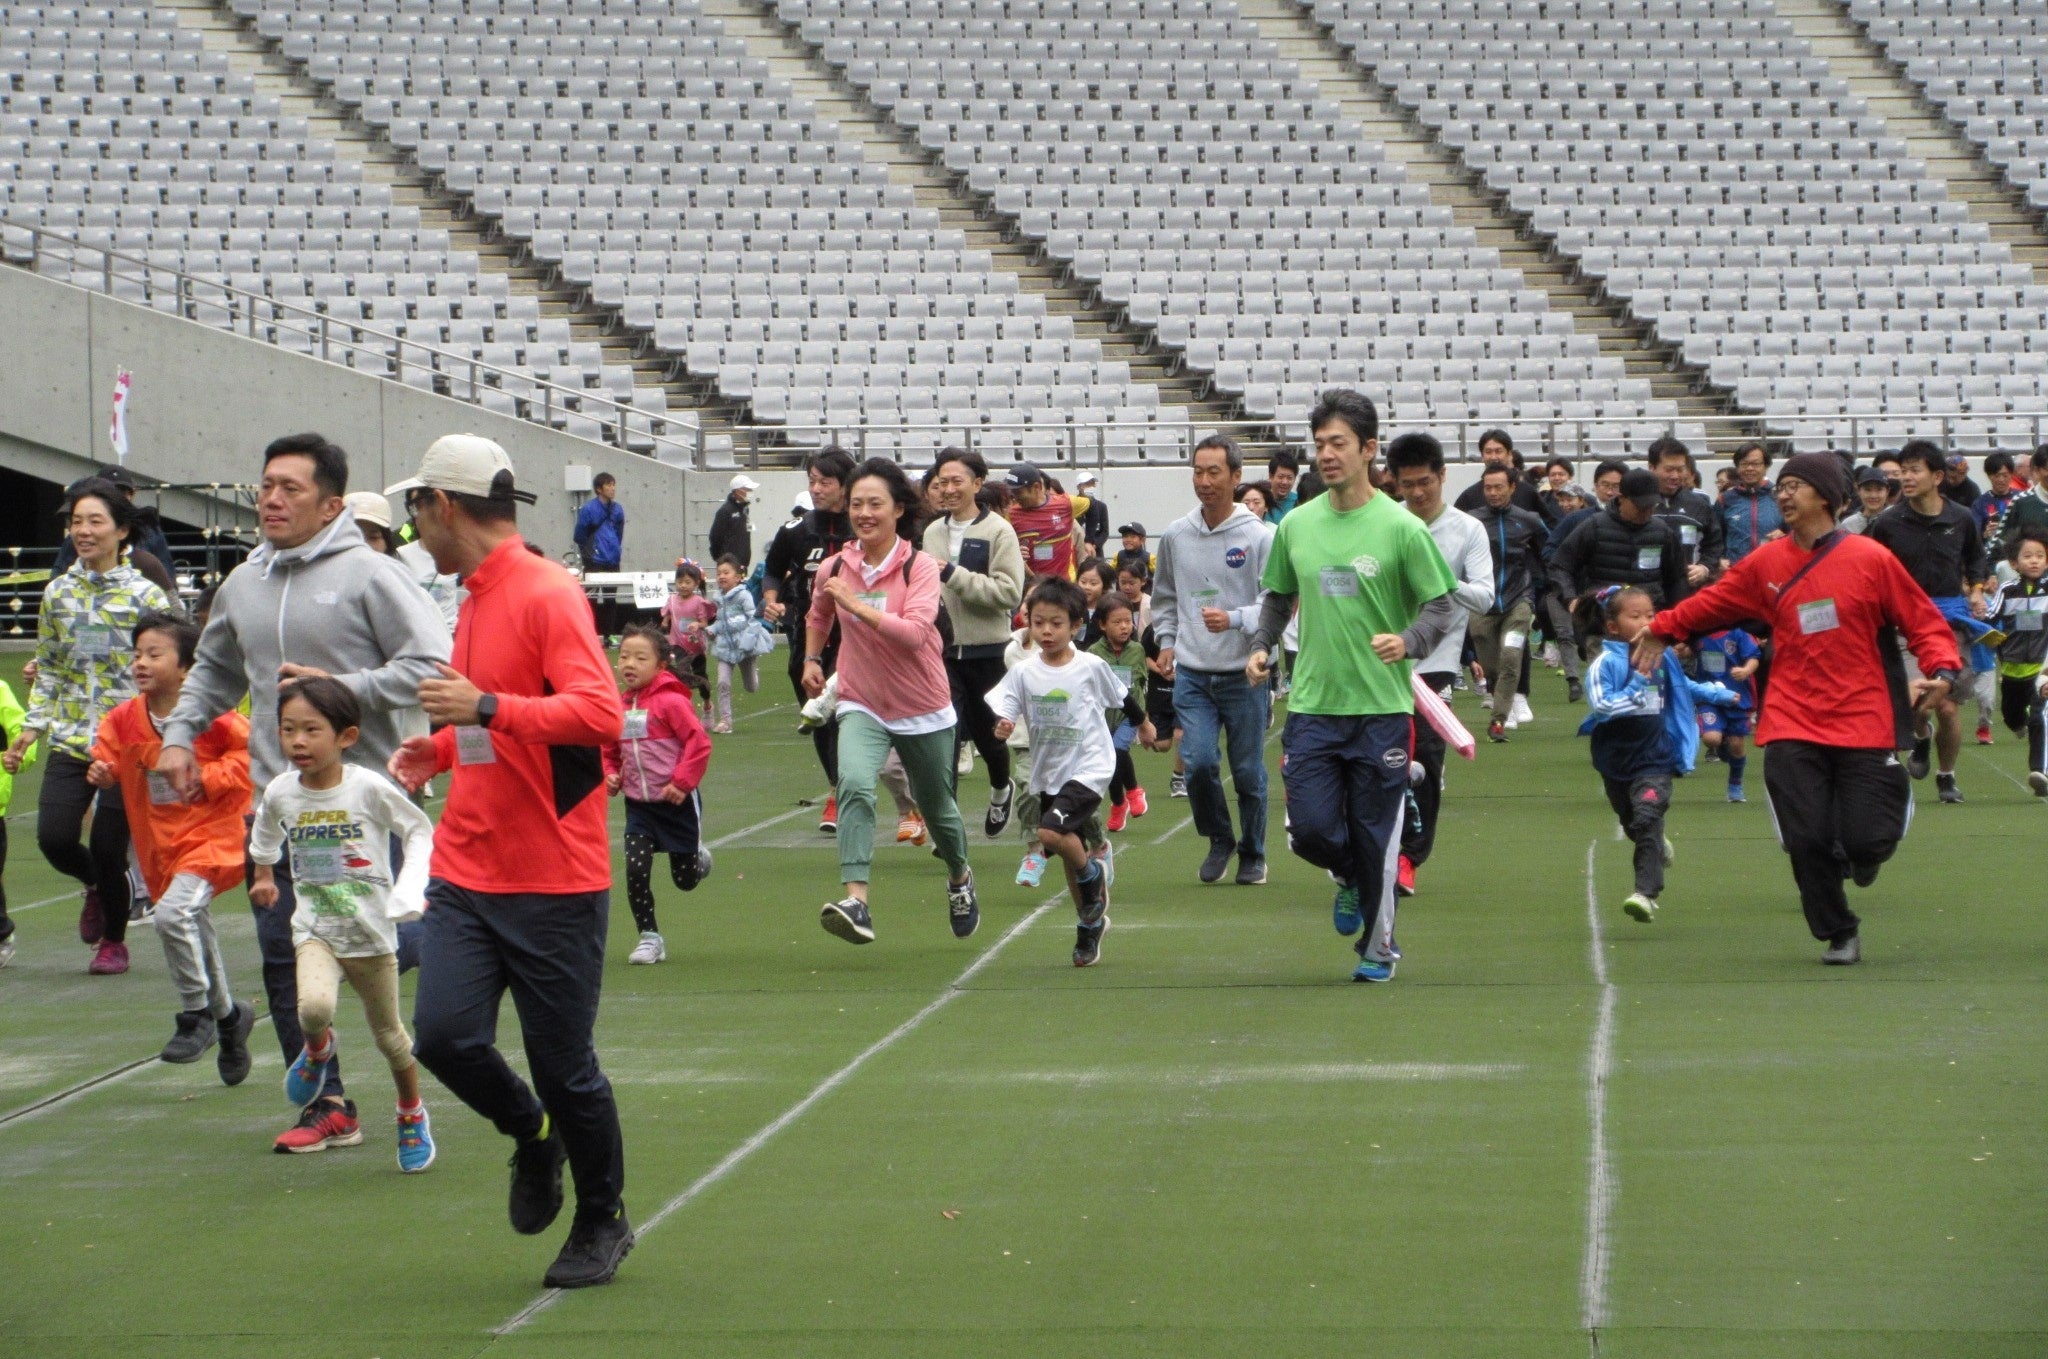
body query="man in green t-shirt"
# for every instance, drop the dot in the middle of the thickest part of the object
(1374, 591)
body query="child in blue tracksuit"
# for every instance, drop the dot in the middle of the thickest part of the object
(1643, 729)
(1731, 658)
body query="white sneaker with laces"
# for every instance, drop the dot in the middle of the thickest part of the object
(1519, 712)
(650, 949)
(965, 763)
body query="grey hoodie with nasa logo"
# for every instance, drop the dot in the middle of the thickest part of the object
(1210, 568)
(333, 603)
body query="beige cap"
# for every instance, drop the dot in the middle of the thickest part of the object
(743, 483)
(369, 507)
(467, 464)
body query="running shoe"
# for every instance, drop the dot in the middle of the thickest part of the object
(1519, 712)
(696, 870)
(651, 949)
(1735, 793)
(1106, 856)
(415, 1141)
(1093, 894)
(1177, 786)
(1670, 853)
(110, 961)
(1844, 952)
(234, 1060)
(848, 919)
(536, 1194)
(1497, 731)
(828, 820)
(306, 1075)
(1135, 800)
(963, 763)
(1640, 907)
(1945, 784)
(592, 1253)
(962, 907)
(1921, 758)
(1344, 912)
(1251, 872)
(1574, 692)
(721, 729)
(1000, 801)
(1088, 942)
(321, 1126)
(92, 918)
(194, 1034)
(2036, 780)
(6, 950)
(1218, 859)
(1983, 733)
(1031, 872)
(1373, 970)
(910, 830)
(1119, 816)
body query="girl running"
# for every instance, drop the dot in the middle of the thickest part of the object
(658, 762)
(1117, 646)
(737, 638)
(688, 616)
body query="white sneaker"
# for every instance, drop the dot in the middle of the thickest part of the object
(965, 764)
(1549, 655)
(650, 949)
(1519, 713)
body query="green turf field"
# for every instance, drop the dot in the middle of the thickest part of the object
(1213, 1143)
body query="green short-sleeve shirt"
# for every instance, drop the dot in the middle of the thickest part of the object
(1357, 573)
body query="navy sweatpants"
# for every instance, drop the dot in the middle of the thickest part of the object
(1347, 782)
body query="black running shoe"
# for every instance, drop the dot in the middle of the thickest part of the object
(848, 918)
(537, 1181)
(233, 1059)
(194, 1035)
(963, 908)
(1945, 784)
(1088, 943)
(999, 803)
(592, 1253)
(1094, 902)
(1574, 692)
(1218, 860)
(1920, 761)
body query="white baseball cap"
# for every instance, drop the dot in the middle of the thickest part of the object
(467, 464)
(743, 483)
(369, 507)
(1085, 479)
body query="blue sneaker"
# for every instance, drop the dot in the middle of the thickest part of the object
(1032, 871)
(1735, 793)
(302, 1081)
(415, 1142)
(1372, 970)
(1344, 912)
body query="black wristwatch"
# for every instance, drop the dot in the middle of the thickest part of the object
(1954, 678)
(486, 709)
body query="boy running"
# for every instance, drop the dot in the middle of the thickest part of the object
(2021, 609)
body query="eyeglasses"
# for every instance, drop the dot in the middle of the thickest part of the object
(414, 498)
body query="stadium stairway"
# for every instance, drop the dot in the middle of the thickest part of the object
(1293, 26)
(223, 32)
(790, 58)
(1852, 55)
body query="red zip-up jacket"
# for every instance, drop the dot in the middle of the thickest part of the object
(675, 749)
(1828, 685)
(527, 821)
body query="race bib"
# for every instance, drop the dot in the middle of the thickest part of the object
(161, 791)
(1042, 552)
(1714, 662)
(1650, 558)
(2027, 622)
(636, 725)
(1339, 582)
(1689, 534)
(473, 746)
(95, 642)
(317, 865)
(878, 600)
(1818, 616)
(1513, 641)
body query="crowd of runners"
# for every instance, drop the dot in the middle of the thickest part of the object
(283, 731)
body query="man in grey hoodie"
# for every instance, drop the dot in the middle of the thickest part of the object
(1205, 603)
(314, 599)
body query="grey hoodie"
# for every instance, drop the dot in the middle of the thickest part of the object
(334, 604)
(1204, 568)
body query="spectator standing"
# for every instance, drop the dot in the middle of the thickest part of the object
(1749, 509)
(313, 599)
(791, 564)
(1095, 518)
(732, 527)
(524, 713)
(600, 538)
(1205, 602)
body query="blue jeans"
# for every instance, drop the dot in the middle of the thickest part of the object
(1347, 781)
(1213, 705)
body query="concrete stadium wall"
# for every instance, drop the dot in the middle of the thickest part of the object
(205, 402)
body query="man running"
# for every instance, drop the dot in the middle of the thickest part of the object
(1837, 709)
(521, 889)
(787, 571)
(1373, 591)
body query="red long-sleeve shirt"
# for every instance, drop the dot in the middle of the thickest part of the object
(528, 821)
(1828, 684)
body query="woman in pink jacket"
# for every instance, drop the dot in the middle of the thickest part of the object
(882, 594)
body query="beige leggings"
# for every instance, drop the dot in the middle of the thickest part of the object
(376, 982)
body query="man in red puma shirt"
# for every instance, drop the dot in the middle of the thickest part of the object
(1836, 713)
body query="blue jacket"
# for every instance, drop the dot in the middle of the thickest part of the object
(601, 532)
(736, 635)
(1747, 518)
(1620, 699)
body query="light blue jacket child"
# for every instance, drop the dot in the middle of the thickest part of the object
(736, 636)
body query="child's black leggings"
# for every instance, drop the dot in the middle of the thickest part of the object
(640, 852)
(2020, 704)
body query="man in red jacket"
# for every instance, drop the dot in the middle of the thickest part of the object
(521, 887)
(1838, 710)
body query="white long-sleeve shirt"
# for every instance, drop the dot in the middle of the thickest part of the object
(1462, 540)
(340, 844)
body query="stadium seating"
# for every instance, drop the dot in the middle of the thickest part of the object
(1698, 158)
(1192, 176)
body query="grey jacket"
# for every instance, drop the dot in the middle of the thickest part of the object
(331, 603)
(1204, 568)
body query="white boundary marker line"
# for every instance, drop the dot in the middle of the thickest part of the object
(37, 1108)
(1600, 1180)
(738, 1155)
(722, 841)
(1986, 760)
(72, 895)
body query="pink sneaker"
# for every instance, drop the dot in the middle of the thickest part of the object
(110, 961)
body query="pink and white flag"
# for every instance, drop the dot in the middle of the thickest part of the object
(117, 427)
(1438, 714)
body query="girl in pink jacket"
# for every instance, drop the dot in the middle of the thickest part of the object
(657, 763)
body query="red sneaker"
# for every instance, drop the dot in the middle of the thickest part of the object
(92, 918)
(1983, 733)
(1119, 815)
(110, 961)
(1404, 878)
(829, 821)
(324, 1124)
(1135, 800)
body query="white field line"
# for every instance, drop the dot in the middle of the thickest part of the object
(743, 832)
(71, 895)
(1600, 1180)
(740, 1154)
(1986, 759)
(1295, 1073)
(86, 1087)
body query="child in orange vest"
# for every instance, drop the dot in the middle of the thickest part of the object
(188, 852)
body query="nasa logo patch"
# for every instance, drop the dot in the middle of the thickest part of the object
(1235, 557)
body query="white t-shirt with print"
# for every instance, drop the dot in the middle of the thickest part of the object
(1066, 706)
(340, 844)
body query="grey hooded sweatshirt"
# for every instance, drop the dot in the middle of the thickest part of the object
(332, 603)
(1210, 568)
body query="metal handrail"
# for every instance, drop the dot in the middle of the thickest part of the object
(191, 291)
